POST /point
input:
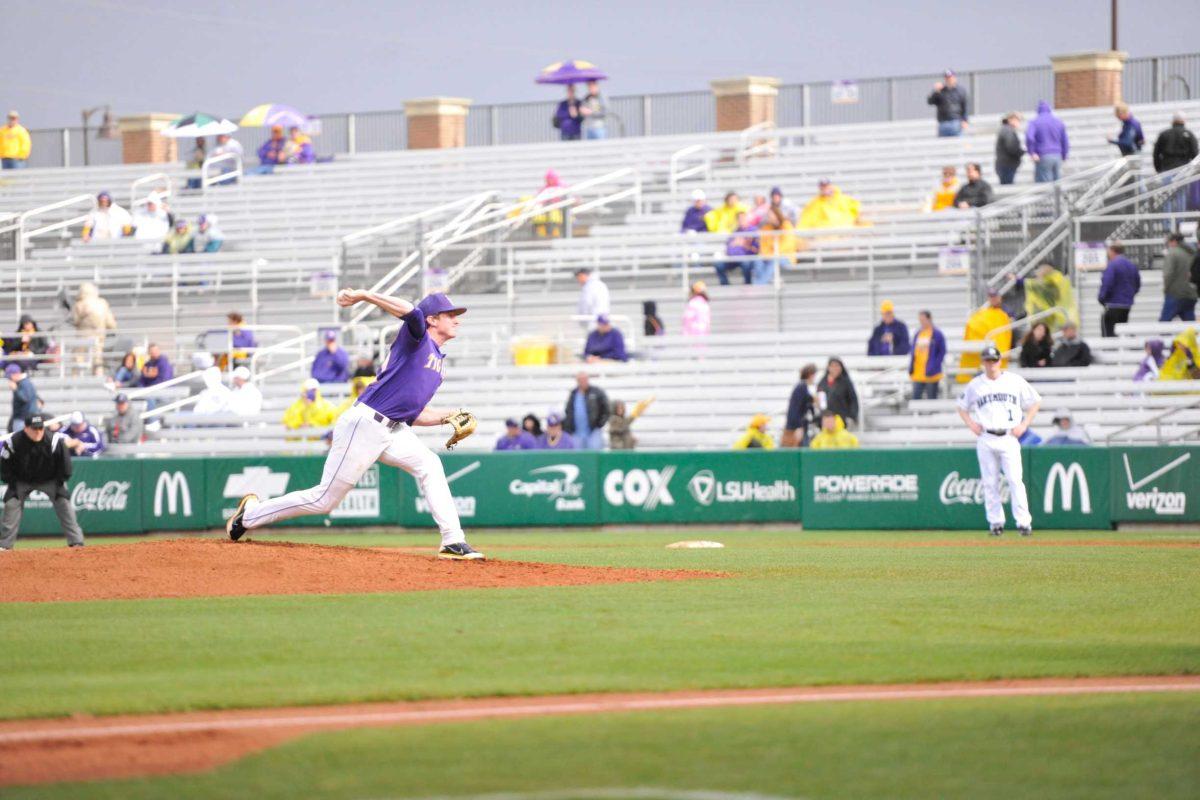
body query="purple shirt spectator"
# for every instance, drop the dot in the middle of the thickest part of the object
(606, 342)
(333, 366)
(156, 370)
(693, 219)
(91, 438)
(522, 441)
(565, 442)
(1046, 135)
(1121, 281)
(243, 339)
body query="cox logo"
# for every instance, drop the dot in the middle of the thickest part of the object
(645, 488)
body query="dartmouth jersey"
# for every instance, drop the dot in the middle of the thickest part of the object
(412, 375)
(998, 404)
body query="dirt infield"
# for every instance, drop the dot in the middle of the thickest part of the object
(221, 568)
(85, 748)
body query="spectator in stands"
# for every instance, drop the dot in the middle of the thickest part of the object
(157, 367)
(15, 144)
(245, 399)
(310, 409)
(567, 117)
(693, 218)
(829, 209)
(587, 411)
(742, 245)
(1130, 139)
(785, 207)
(364, 367)
(1149, 366)
(594, 108)
(531, 424)
(208, 238)
(1047, 143)
(271, 152)
(928, 354)
(92, 318)
(1008, 148)
(180, 239)
(776, 245)
(890, 337)
(724, 218)
(226, 145)
(357, 387)
(979, 325)
(1037, 347)
(1179, 293)
(977, 192)
(88, 441)
(25, 400)
(755, 436)
(25, 347)
(1049, 289)
(593, 296)
(555, 438)
(106, 221)
(216, 396)
(697, 314)
(514, 438)
(127, 373)
(1196, 261)
(125, 425)
(620, 427)
(652, 324)
(331, 363)
(241, 340)
(199, 153)
(548, 222)
(802, 409)
(943, 195)
(299, 148)
(1183, 362)
(1118, 286)
(1071, 351)
(952, 105)
(833, 435)
(1066, 432)
(1175, 146)
(151, 222)
(758, 211)
(605, 342)
(836, 392)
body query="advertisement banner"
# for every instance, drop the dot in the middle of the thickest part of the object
(508, 489)
(699, 487)
(1068, 487)
(1159, 484)
(107, 497)
(174, 494)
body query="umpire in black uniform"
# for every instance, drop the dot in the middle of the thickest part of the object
(34, 461)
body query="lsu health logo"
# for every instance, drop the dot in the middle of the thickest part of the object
(645, 488)
(1066, 478)
(705, 489)
(361, 501)
(1162, 503)
(558, 482)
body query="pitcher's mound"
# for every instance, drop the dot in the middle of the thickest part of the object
(215, 568)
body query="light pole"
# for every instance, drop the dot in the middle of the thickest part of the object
(107, 129)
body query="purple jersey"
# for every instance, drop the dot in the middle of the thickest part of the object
(522, 441)
(412, 375)
(565, 442)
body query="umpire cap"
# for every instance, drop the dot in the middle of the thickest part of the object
(990, 353)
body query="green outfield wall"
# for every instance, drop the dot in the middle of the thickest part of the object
(1075, 487)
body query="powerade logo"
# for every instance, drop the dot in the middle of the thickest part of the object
(968, 491)
(705, 489)
(903, 487)
(645, 488)
(1162, 503)
(558, 483)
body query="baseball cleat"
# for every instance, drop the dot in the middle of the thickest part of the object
(460, 551)
(996, 530)
(1025, 531)
(234, 526)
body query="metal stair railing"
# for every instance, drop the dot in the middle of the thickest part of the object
(1156, 420)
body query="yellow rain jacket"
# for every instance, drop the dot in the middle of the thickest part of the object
(1185, 356)
(838, 211)
(1042, 294)
(943, 196)
(723, 219)
(356, 388)
(318, 413)
(782, 245)
(14, 142)
(979, 324)
(755, 437)
(837, 439)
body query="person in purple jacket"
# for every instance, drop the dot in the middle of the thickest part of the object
(567, 117)
(332, 363)
(90, 442)
(242, 339)
(693, 218)
(1047, 144)
(555, 438)
(743, 242)
(605, 343)
(514, 438)
(157, 367)
(1118, 286)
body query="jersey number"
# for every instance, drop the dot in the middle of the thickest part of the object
(1011, 417)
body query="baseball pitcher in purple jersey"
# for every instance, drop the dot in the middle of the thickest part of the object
(379, 426)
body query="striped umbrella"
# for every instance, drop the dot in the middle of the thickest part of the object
(570, 72)
(198, 124)
(269, 114)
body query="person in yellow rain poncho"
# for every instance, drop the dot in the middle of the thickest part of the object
(310, 410)
(356, 388)
(756, 436)
(979, 325)
(1184, 362)
(829, 209)
(1048, 289)
(724, 218)
(833, 435)
(943, 195)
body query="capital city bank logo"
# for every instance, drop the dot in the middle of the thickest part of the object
(1065, 478)
(173, 488)
(1162, 503)
(557, 482)
(703, 487)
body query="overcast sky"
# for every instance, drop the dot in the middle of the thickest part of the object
(357, 55)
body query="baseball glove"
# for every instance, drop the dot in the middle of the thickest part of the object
(464, 424)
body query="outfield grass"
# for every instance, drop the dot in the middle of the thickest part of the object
(798, 608)
(1085, 747)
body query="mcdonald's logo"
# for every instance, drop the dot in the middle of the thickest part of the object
(174, 486)
(1065, 478)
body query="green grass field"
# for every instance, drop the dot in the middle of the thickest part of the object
(797, 608)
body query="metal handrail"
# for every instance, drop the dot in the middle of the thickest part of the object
(156, 176)
(1154, 420)
(237, 173)
(744, 150)
(675, 174)
(23, 219)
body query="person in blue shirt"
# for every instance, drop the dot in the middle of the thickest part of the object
(514, 438)
(332, 363)
(1130, 139)
(890, 337)
(605, 343)
(25, 400)
(1119, 284)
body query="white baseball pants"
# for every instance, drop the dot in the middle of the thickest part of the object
(1002, 454)
(358, 442)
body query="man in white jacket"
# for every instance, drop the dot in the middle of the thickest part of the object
(593, 297)
(245, 399)
(107, 220)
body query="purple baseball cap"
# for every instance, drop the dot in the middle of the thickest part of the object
(554, 419)
(438, 303)
(12, 369)
(602, 319)
(331, 335)
(511, 423)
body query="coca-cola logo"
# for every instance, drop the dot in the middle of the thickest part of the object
(966, 490)
(111, 496)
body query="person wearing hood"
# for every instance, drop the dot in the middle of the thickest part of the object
(890, 337)
(88, 441)
(985, 320)
(802, 409)
(547, 224)
(216, 397)
(836, 392)
(23, 348)
(1149, 366)
(976, 192)
(245, 399)
(693, 218)
(1179, 293)
(567, 117)
(652, 324)
(310, 409)
(1066, 432)
(697, 313)
(1071, 350)
(179, 240)
(150, 220)
(92, 317)
(107, 220)
(1183, 362)
(331, 364)
(1008, 149)
(756, 436)
(1050, 288)
(1130, 138)
(833, 435)
(952, 105)
(208, 238)
(1047, 143)
(594, 298)
(830, 209)
(514, 438)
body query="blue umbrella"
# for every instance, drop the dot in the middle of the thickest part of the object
(570, 72)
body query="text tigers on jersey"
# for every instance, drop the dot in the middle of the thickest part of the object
(434, 363)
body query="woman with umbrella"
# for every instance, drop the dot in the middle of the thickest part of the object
(575, 117)
(567, 117)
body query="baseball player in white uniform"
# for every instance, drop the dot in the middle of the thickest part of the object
(998, 407)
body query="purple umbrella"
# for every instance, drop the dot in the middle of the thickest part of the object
(570, 72)
(269, 114)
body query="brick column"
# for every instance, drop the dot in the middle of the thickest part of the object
(1082, 80)
(742, 102)
(436, 122)
(142, 141)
